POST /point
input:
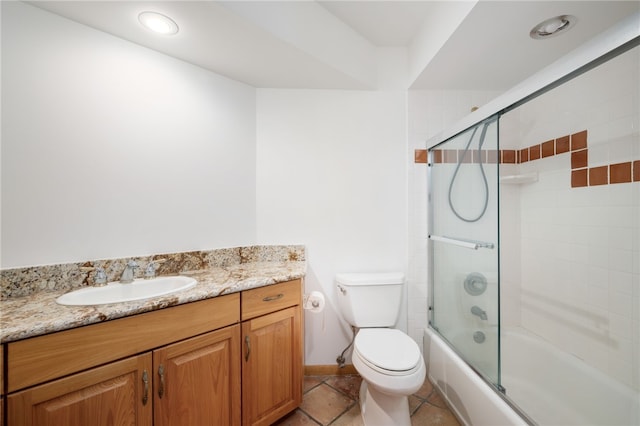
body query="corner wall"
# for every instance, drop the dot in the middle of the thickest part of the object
(331, 175)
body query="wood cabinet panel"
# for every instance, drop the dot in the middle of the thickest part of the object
(197, 381)
(47, 357)
(1, 385)
(272, 367)
(1, 371)
(110, 395)
(271, 298)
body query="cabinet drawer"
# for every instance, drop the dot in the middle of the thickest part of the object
(264, 300)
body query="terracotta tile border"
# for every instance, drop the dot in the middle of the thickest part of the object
(620, 173)
(598, 176)
(579, 178)
(579, 159)
(576, 143)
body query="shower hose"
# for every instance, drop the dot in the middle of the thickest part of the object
(484, 176)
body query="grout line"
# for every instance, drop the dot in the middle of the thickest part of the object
(310, 416)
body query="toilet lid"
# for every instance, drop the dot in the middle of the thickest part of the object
(387, 349)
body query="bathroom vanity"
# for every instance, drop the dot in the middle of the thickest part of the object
(208, 361)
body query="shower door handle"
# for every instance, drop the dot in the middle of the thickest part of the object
(470, 244)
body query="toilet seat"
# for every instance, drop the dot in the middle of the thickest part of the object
(388, 351)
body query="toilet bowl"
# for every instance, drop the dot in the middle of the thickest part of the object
(392, 367)
(389, 362)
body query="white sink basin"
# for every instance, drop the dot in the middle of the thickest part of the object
(115, 292)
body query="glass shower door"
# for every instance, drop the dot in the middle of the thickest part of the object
(463, 233)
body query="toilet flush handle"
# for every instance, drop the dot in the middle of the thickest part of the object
(342, 289)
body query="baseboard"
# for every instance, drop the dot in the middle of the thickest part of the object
(329, 370)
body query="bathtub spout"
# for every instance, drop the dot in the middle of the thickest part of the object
(475, 310)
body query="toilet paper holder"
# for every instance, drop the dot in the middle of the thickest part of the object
(313, 301)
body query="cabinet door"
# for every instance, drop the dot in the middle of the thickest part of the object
(117, 394)
(197, 381)
(272, 366)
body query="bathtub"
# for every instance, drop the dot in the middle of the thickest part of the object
(550, 386)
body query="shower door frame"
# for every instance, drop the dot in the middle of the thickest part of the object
(430, 263)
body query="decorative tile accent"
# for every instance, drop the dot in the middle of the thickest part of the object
(620, 173)
(450, 155)
(598, 175)
(465, 156)
(534, 152)
(508, 156)
(493, 155)
(562, 145)
(579, 178)
(420, 156)
(479, 156)
(580, 159)
(581, 174)
(548, 148)
(579, 140)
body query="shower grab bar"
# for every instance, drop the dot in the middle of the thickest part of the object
(470, 244)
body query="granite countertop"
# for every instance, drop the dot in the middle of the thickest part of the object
(38, 314)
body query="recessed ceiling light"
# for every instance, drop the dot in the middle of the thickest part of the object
(158, 23)
(553, 26)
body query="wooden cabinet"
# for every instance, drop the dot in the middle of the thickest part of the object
(116, 394)
(197, 381)
(193, 382)
(218, 362)
(2, 385)
(43, 358)
(272, 370)
(108, 373)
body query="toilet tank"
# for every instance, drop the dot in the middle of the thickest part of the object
(370, 299)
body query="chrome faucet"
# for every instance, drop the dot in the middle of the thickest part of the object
(128, 273)
(477, 311)
(100, 277)
(151, 269)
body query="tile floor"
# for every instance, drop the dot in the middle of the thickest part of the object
(333, 400)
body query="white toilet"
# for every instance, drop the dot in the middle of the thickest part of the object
(389, 361)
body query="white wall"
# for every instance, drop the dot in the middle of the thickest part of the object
(110, 149)
(331, 174)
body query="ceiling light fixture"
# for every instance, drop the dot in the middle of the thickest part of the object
(552, 27)
(158, 23)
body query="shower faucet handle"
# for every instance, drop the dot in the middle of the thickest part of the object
(479, 312)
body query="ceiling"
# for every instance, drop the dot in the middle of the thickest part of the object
(362, 44)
